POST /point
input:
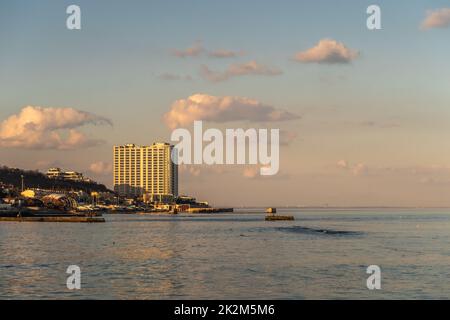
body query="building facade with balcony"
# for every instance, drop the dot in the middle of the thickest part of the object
(140, 170)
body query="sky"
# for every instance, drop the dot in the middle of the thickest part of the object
(369, 116)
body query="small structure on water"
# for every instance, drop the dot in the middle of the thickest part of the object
(272, 216)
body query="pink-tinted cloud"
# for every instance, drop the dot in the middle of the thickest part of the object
(251, 172)
(342, 164)
(224, 53)
(287, 137)
(174, 77)
(439, 18)
(197, 49)
(201, 173)
(254, 173)
(101, 168)
(193, 51)
(327, 51)
(239, 69)
(48, 128)
(222, 109)
(359, 169)
(45, 164)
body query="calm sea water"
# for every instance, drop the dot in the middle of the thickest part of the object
(323, 254)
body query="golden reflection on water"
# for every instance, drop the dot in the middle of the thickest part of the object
(229, 256)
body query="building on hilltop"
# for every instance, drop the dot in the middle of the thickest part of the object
(73, 176)
(57, 173)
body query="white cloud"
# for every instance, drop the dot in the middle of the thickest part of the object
(48, 128)
(238, 69)
(327, 51)
(439, 18)
(222, 109)
(101, 168)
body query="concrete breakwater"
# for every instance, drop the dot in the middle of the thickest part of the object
(186, 210)
(278, 218)
(48, 215)
(53, 219)
(209, 210)
(272, 216)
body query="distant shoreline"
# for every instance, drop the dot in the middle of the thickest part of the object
(339, 208)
